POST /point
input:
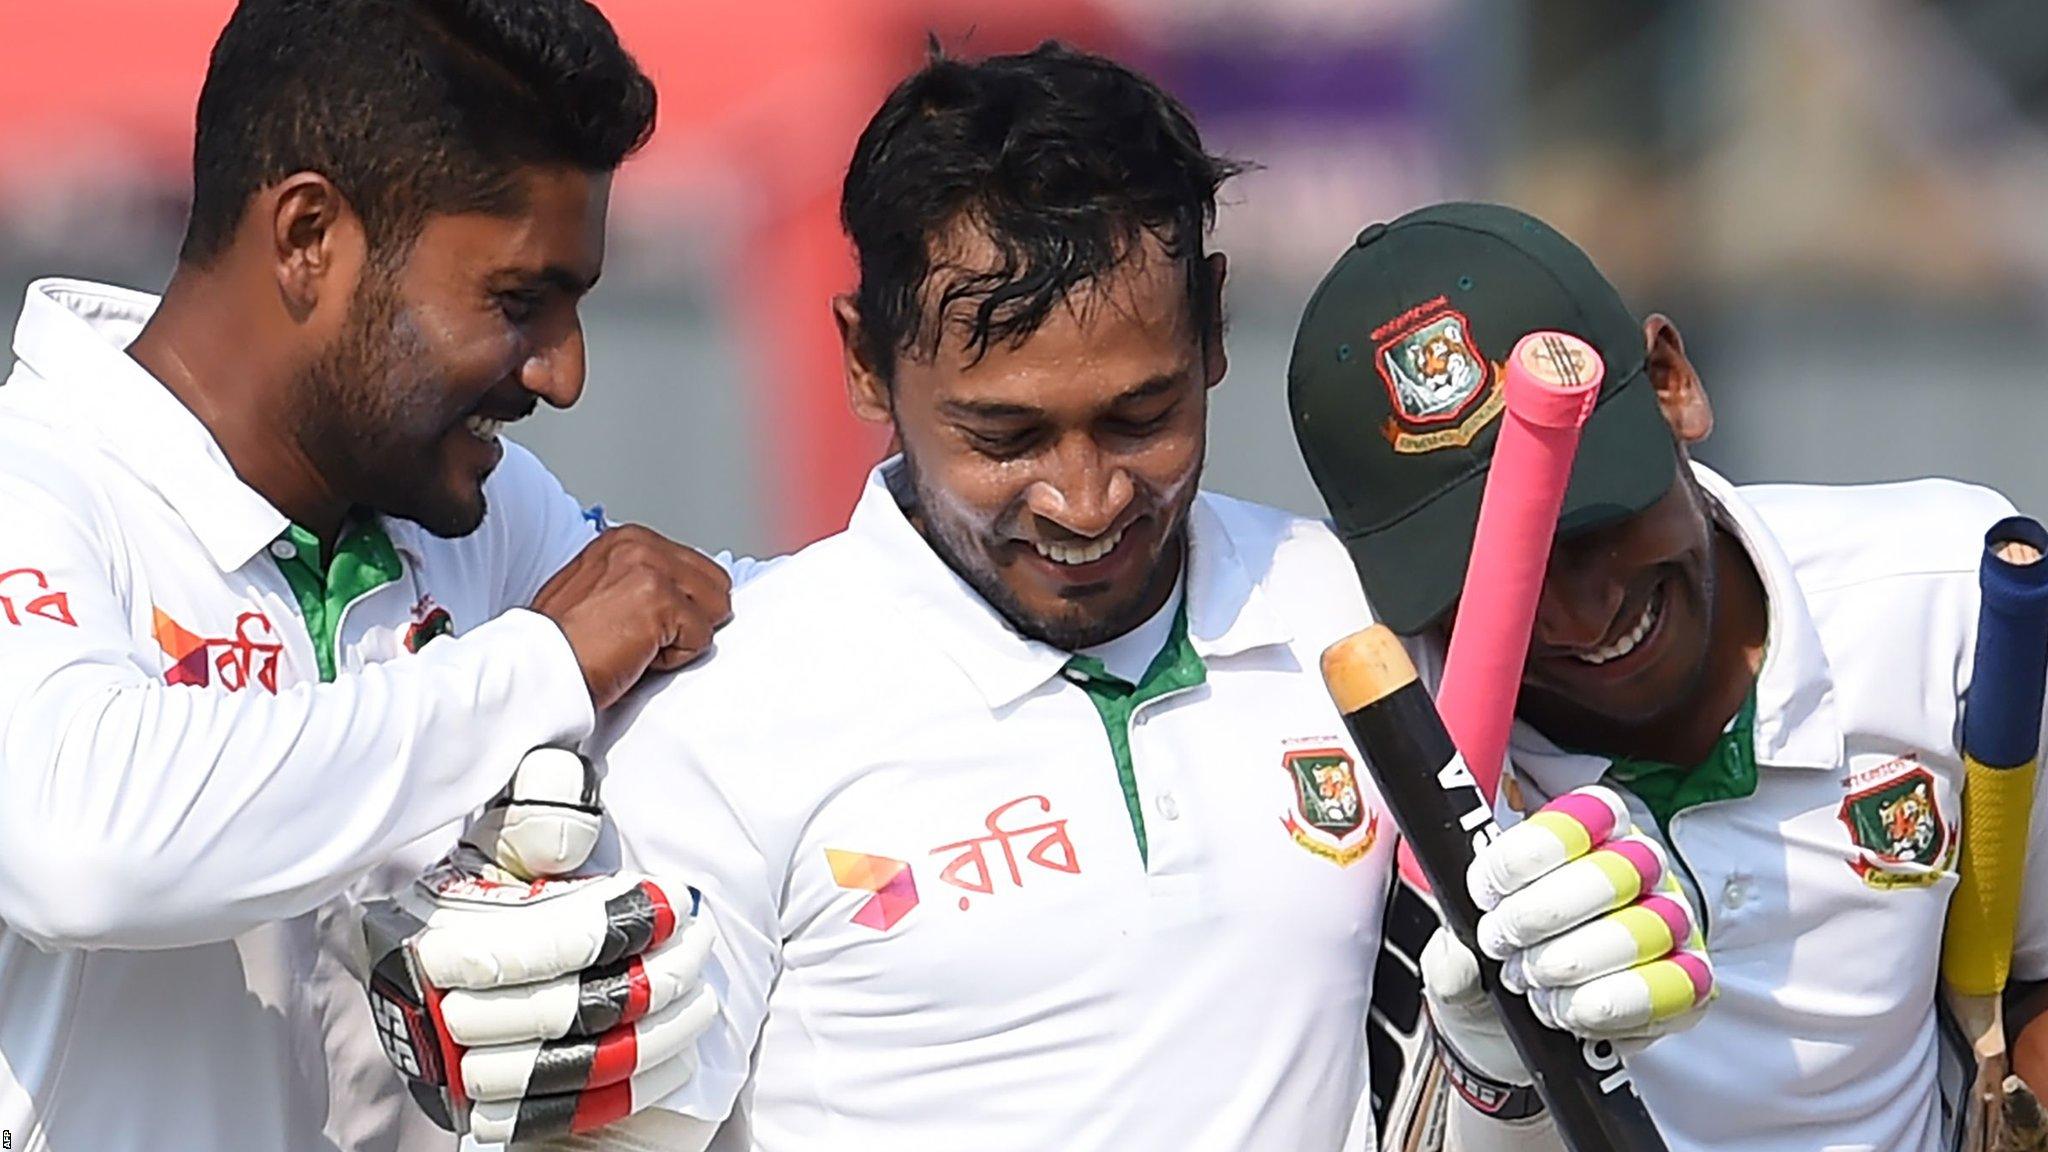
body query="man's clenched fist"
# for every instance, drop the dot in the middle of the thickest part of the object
(635, 601)
(1586, 920)
(519, 1005)
(531, 1010)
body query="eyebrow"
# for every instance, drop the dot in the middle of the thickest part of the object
(1007, 410)
(557, 276)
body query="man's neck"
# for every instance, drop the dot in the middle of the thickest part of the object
(204, 346)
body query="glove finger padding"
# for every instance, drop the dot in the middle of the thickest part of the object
(1563, 830)
(1648, 1000)
(461, 932)
(583, 1003)
(486, 935)
(579, 1064)
(541, 1117)
(1587, 919)
(1652, 927)
(1611, 876)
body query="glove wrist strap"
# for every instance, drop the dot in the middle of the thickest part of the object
(1494, 1099)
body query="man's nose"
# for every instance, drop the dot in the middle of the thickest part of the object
(1083, 491)
(555, 373)
(1577, 604)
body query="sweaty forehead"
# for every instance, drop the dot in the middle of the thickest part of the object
(555, 227)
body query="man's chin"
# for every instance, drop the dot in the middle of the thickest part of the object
(449, 515)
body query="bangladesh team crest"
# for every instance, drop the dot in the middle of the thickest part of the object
(1441, 388)
(1899, 821)
(1327, 801)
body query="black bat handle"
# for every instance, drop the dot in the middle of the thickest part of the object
(1441, 812)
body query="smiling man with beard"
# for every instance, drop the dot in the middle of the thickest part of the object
(277, 604)
(1022, 813)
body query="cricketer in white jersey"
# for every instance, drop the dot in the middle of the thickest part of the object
(1772, 676)
(208, 737)
(1822, 856)
(1020, 807)
(975, 891)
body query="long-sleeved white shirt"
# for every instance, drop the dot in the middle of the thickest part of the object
(185, 775)
(971, 894)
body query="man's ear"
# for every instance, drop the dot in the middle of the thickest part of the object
(1214, 361)
(1680, 395)
(316, 243)
(867, 390)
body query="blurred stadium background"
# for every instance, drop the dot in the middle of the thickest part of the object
(1840, 201)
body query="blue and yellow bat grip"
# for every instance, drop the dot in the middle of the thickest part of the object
(2001, 738)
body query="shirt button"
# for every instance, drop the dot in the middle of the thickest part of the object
(283, 550)
(1168, 806)
(1734, 894)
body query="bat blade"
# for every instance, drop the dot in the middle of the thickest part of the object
(1445, 818)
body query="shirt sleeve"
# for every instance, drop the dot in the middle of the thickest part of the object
(139, 814)
(678, 818)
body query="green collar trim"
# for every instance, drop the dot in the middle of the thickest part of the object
(364, 560)
(1176, 668)
(1728, 772)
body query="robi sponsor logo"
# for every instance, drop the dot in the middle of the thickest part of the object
(1030, 838)
(248, 656)
(891, 881)
(32, 588)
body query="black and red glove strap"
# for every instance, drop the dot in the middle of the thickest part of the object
(1492, 1098)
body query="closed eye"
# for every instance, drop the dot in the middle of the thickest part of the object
(1000, 445)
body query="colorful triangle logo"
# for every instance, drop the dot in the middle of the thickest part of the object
(891, 881)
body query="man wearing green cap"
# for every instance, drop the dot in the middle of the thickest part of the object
(1769, 677)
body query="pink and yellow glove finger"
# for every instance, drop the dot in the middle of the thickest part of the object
(1611, 876)
(1563, 830)
(1662, 996)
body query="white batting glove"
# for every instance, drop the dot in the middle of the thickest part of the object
(520, 1004)
(1586, 920)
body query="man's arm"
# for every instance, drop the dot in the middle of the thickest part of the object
(139, 814)
(678, 769)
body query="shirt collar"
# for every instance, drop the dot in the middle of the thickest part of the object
(1796, 725)
(1226, 613)
(74, 335)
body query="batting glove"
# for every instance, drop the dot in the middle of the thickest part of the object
(522, 1004)
(1587, 921)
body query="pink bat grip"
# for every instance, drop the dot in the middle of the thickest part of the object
(1550, 386)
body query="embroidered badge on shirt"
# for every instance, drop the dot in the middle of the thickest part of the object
(1898, 820)
(429, 621)
(1443, 391)
(1328, 804)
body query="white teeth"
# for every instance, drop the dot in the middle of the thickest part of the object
(483, 428)
(1081, 551)
(1626, 644)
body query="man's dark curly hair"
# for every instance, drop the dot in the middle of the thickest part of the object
(412, 108)
(1065, 161)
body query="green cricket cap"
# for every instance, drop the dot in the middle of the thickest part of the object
(1394, 389)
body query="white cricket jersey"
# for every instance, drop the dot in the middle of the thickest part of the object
(209, 735)
(919, 835)
(1824, 892)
